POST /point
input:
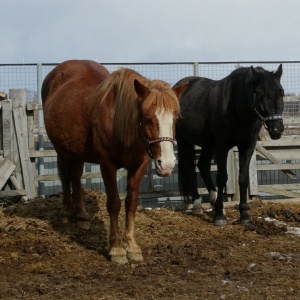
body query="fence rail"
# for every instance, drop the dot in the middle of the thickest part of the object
(30, 163)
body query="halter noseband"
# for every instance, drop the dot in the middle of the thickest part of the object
(148, 142)
(264, 119)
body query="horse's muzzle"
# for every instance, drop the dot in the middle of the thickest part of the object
(275, 129)
(164, 168)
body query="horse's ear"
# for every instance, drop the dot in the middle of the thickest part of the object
(278, 73)
(178, 90)
(255, 75)
(141, 90)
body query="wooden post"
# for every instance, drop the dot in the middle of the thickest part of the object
(231, 186)
(31, 145)
(18, 97)
(253, 186)
(7, 125)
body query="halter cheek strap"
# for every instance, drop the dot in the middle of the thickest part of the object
(264, 119)
(148, 142)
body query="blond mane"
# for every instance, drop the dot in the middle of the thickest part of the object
(126, 114)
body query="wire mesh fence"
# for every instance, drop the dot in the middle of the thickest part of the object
(27, 76)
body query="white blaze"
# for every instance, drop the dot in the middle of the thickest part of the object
(165, 121)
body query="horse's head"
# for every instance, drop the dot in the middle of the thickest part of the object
(268, 99)
(159, 111)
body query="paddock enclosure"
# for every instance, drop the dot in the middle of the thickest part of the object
(186, 257)
(30, 162)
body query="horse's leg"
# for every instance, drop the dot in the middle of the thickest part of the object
(222, 176)
(64, 174)
(117, 252)
(134, 176)
(245, 154)
(187, 177)
(78, 212)
(204, 166)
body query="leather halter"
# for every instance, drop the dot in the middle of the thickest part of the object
(264, 119)
(148, 142)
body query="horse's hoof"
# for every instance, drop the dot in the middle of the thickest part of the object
(118, 255)
(135, 257)
(83, 224)
(122, 260)
(197, 207)
(244, 221)
(219, 222)
(197, 211)
(81, 216)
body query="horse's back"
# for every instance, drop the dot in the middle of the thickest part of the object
(83, 72)
(198, 110)
(68, 94)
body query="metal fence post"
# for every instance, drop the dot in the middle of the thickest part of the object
(196, 69)
(41, 185)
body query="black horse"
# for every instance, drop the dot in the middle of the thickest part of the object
(218, 115)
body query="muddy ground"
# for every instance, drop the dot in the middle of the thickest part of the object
(186, 257)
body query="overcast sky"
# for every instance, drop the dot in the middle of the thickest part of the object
(51, 31)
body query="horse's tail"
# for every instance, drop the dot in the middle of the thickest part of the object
(186, 168)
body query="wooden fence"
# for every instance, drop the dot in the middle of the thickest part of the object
(19, 176)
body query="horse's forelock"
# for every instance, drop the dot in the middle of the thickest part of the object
(162, 97)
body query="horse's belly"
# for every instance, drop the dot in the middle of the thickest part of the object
(68, 137)
(196, 132)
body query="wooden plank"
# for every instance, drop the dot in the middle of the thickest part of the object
(31, 143)
(6, 168)
(52, 177)
(39, 130)
(14, 193)
(3, 95)
(34, 106)
(253, 188)
(30, 128)
(291, 98)
(15, 182)
(18, 99)
(230, 184)
(283, 154)
(21, 131)
(44, 153)
(272, 190)
(7, 124)
(288, 186)
(268, 167)
(271, 158)
(284, 141)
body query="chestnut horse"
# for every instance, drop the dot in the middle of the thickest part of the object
(114, 120)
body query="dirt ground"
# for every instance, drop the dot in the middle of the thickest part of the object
(186, 257)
